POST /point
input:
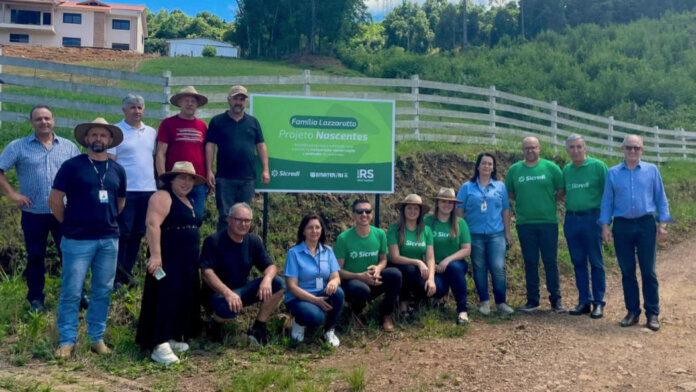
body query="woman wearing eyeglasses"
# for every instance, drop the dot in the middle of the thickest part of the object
(362, 254)
(314, 296)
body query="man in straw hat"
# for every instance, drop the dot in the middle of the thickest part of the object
(237, 136)
(180, 138)
(534, 184)
(136, 154)
(95, 189)
(36, 158)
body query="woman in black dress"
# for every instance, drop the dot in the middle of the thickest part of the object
(170, 310)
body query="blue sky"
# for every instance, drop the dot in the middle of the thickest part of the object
(225, 8)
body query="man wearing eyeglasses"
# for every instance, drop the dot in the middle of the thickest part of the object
(226, 260)
(635, 197)
(362, 255)
(237, 136)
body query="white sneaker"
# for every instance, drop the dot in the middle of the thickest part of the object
(331, 338)
(505, 308)
(485, 308)
(297, 331)
(178, 347)
(164, 354)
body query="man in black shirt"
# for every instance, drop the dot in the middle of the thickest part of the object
(226, 260)
(237, 136)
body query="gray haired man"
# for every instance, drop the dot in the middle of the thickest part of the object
(136, 155)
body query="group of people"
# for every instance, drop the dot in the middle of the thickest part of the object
(134, 181)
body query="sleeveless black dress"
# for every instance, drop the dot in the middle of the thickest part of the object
(171, 306)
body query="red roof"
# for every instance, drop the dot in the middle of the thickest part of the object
(93, 4)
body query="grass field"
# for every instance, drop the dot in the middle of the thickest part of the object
(29, 338)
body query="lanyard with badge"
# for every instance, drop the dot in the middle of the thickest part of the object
(103, 194)
(484, 205)
(319, 279)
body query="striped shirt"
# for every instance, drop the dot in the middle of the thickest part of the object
(36, 167)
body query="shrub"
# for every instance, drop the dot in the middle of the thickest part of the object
(209, 51)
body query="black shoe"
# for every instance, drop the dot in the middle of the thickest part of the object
(557, 307)
(597, 312)
(580, 309)
(84, 302)
(653, 322)
(630, 319)
(530, 307)
(407, 315)
(36, 306)
(258, 336)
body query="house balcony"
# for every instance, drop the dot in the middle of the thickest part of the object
(28, 28)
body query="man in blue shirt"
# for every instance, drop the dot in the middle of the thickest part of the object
(633, 195)
(37, 159)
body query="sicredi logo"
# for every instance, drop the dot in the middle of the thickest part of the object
(285, 173)
(353, 255)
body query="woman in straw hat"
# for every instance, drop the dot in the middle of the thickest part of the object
(452, 243)
(411, 249)
(170, 308)
(484, 204)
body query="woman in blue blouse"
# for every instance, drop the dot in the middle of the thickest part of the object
(485, 206)
(314, 295)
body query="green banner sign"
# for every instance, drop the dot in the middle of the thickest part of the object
(327, 144)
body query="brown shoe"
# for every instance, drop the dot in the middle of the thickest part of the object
(388, 323)
(64, 351)
(100, 348)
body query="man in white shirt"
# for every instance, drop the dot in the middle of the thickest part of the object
(136, 155)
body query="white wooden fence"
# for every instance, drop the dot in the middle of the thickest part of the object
(425, 110)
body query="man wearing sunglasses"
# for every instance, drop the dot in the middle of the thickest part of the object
(362, 254)
(635, 197)
(226, 260)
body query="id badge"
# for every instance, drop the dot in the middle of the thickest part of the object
(103, 196)
(484, 206)
(320, 283)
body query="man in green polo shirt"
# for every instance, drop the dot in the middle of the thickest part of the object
(362, 254)
(584, 183)
(535, 184)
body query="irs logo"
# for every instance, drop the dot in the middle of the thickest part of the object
(367, 174)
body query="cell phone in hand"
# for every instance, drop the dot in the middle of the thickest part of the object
(159, 274)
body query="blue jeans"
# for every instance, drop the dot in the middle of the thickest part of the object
(248, 293)
(131, 226)
(584, 237)
(198, 195)
(631, 237)
(36, 228)
(309, 315)
(455, 277)
(358, 293)
(488, 254)
(228, 192)
(78, 257)
(536, 238)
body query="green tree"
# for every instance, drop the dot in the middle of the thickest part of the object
(407, 26)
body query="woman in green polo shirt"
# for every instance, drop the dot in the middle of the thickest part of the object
(452, 243)
(411, 250)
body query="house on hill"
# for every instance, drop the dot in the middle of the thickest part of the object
(56, 23)
(193, 47)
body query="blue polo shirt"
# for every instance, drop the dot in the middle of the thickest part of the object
(471, 196)
(301, 265)
(632, 193)
(36, 167)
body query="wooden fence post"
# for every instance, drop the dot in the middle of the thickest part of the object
(415, 82)
(683, 141)
(610, 138)
(656, 134)
(307, 86)
(554, 125)
(166, 90)
(491, 110)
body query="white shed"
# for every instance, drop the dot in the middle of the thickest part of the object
(193, 47)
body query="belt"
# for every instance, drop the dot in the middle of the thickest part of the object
(635, 220)
(583, 213)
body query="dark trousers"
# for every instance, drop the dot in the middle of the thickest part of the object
(248, 293)
(131, 225)
(541, 238)
(413, 286)
(310, 315)
(358, 293)
(36, 228)
(636, 237)
(454, 277)
(584, 237)
(227, 193)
